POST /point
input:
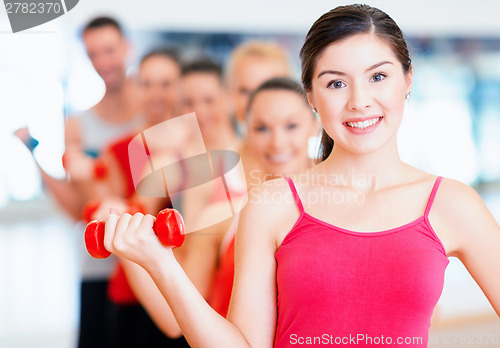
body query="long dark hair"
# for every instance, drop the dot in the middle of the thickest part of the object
(339, 24)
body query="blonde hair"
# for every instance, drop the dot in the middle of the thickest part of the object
(259, 49)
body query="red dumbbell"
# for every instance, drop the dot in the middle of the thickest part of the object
(169, 227)
(100, 168)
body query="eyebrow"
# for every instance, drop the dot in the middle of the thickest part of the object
(335, 72)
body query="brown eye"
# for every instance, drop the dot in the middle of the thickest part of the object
(378, 77)
(261, 129)
(336, 84)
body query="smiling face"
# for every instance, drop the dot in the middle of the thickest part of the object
(359, 89)
(279, 126)
(159, 80)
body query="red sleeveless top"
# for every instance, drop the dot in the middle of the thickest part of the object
(337, 286)
(119, 290)
(222, 284)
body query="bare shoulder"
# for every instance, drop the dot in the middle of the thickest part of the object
(269, 199)
(458, 214)
(268, 188)
(212, 224)
(213, 215)
(455, 197)
(271, 210)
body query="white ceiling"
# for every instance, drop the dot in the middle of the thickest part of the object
(437, 17)
(416, 17)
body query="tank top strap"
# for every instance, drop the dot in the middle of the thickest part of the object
(432, 196)
(295, 195)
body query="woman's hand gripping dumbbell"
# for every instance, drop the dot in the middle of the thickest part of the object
(168, 227)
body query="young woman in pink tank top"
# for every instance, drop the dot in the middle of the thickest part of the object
(353, 251)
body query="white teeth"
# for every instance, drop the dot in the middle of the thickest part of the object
(363, 124)
(279, 158)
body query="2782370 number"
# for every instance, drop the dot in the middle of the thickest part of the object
(31, 7)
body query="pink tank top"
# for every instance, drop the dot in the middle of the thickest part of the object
(346, 288)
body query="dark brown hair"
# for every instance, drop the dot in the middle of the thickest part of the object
(278, 83)
(101, 22)
(202, 65)
(165, 52)
(342, 23)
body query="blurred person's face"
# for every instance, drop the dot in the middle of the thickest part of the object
(279, 126)
(159, 79)
(204, 94)
(107, 50)
(249, 74)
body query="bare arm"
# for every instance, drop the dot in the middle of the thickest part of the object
(204, 247)
(151, 298)
(252, 317)
(472, 233)
(65, 193)
(200, 264)
(201, 325)
(72, 137)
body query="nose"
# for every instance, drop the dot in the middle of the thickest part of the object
(277, 139)
(152, 91)
(359, 99)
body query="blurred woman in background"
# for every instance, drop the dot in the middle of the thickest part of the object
(362, 246)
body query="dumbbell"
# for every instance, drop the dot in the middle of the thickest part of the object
(91, 207)
(169, 228)
(100, 168)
